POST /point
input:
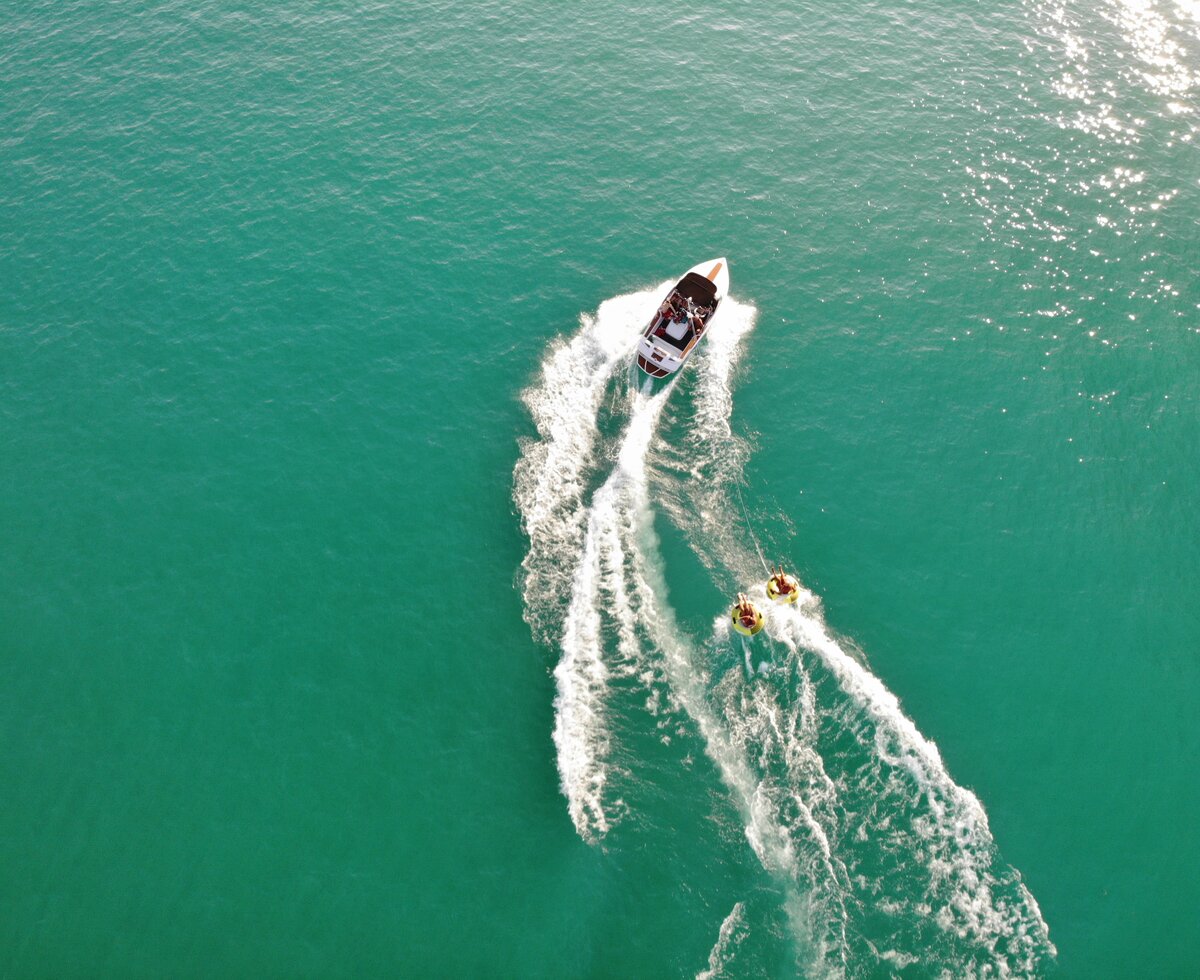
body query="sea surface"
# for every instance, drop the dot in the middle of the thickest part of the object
(362, 614)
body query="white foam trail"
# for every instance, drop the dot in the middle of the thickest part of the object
(948, 834)
(580, 737)
(688, 684)
(755, 797)
(966, 896)
(732, 323)
(550, 479)
(581, 677)
(571, 547)
(576, 551)
(730, 936)
(728, 747)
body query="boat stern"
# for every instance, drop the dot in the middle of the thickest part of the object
(657, 361)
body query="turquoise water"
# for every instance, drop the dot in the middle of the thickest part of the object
(360, 612)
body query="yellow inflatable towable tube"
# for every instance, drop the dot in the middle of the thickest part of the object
(745, 618)
(783, 588)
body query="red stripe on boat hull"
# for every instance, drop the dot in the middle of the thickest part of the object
(650, 369)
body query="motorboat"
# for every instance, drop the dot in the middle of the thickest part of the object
(682, 318)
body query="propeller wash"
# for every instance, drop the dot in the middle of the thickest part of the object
(884, 861)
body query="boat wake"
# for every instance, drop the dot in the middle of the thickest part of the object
(731, 935)
(884, 861)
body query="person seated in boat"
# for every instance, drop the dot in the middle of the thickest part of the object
(667, 310)
(745, 611)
